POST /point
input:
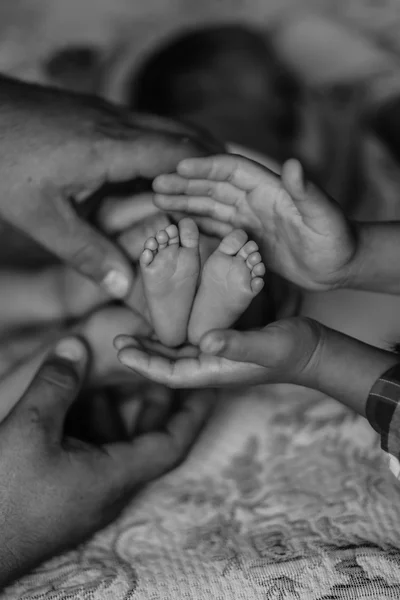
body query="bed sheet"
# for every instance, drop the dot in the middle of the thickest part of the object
(286, 496)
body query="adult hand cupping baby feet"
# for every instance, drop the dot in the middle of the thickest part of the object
(304, 235)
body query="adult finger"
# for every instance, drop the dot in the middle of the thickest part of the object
(59, 228)
(146, 153)
(202, 137)
(53, 389)
(152, 455)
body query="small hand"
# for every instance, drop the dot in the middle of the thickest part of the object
(63, 489)
(281, 352)
(60, 148)
(304, 235)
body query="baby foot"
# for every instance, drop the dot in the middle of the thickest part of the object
(170, 265)
(132, 239)
(304, 235)
(230, 279)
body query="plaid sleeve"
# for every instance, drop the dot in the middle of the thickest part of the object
(383, 413)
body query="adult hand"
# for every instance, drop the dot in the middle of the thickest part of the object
(58, 149)
(56, 490)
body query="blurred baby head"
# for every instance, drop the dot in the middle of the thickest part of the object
(225, 79)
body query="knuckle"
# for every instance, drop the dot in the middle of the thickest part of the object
(34, 416)
(59, 374)
(307, 338)
(89, 257)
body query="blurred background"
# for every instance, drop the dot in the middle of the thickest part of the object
(311, 75)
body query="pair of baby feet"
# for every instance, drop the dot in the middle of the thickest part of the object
(186, 301)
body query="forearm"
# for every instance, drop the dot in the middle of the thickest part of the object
(376, 263)
(345, 368)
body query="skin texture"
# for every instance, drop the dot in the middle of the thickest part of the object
(230, 279)
(303, 234)
(59, 147)
(170, 266)
(45, 513)
(296, 350)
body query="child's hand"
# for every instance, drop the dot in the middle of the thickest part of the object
(281, 352)
(304, 235)
(296, 350)
(63, 489)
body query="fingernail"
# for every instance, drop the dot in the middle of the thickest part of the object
(71, 349)
(212, 345)
(116, 283)
(120, 342)
(301, 177)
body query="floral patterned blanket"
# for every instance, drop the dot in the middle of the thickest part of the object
(286, 496)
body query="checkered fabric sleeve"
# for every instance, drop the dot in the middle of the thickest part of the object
(383, 413)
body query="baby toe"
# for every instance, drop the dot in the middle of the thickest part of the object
(248, 249)
(151, 244)
(258, 270)
(189, 233)
(173, 234)
(257, 285)
(162, 238)
(253, 259)
(146, 258)
(233, 242)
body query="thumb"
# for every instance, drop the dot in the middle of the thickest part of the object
(53, 389)
(285, 345)
(60, 229)
(312, 202)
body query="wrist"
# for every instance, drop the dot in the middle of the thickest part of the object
(353, 275)
(341, 367)
(348, 274)
(309, 336)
